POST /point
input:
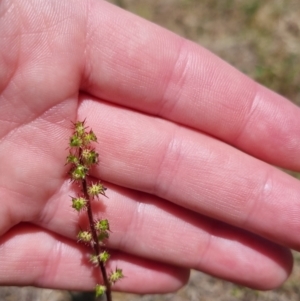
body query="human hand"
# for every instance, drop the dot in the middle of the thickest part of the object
(182, 140)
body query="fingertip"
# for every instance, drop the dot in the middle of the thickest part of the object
(275, 271)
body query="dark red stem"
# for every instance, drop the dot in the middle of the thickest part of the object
(95, 243)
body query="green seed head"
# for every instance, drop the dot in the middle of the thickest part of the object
(79, 128)
(94, 259)
(89, 137)
(90, 157)
(104, 256)
(84, 236)
(116, 275)
(102, 225)
(95, 189)
(100, 290)
(76, 141)
(79, 203)
(72, 159)
(79, 173)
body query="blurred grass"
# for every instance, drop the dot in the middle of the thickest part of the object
(260, 38)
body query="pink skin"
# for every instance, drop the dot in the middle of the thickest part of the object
(186, 144)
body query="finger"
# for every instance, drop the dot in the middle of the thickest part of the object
(49, 260)
(134, 63)
(195, 171)
(155, 229)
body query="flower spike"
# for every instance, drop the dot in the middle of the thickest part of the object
(82, 157)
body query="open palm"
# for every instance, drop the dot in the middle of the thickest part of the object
(185, 144)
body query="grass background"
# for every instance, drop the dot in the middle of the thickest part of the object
(258, 37)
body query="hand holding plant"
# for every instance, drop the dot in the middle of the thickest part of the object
(188, 146)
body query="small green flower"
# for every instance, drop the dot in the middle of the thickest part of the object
(89, 137)
(84, 236)
(72, 159)
(79, 173)
(79, 128)
(89, 156)
(102, 225)
(95, 189)
(94, 259)
(116, 275)
(104, 256)
(76, 141)
(100, 290)
(79, 203)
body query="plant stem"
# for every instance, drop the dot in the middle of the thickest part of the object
(95, 243)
